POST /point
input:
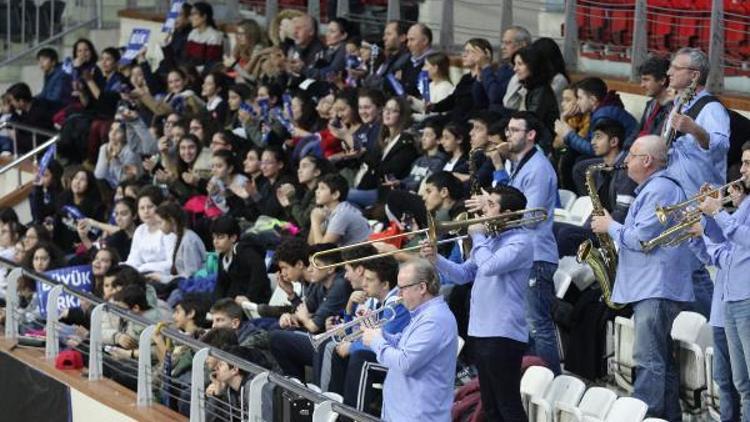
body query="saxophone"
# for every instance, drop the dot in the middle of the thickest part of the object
(602, 260)
(670, 134)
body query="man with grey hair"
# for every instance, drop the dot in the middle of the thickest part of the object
(419, 44)
(698, 152)
(492, 85)
(306, 44)
(652, 281)
(421, 360)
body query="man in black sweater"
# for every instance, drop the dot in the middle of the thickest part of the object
(242, 269)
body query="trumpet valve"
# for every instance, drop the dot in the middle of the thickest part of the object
(662, 214)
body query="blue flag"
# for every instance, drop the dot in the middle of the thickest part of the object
(174, 10)
(138, 38)
(78, 278)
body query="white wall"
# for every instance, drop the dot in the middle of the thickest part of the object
(86, 409)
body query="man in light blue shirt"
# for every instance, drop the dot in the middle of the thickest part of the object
(499, 265)
(654, 282)
(421, 360)
(698, 154)
(733, 231)
(532, 173)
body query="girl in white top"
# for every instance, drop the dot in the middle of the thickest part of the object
(437, 66)
(151, 250)
(189, 252)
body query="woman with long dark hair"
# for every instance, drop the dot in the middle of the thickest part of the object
(205, 42)
(533, 74)
(79, 201)
(391, 159)
(553, 57)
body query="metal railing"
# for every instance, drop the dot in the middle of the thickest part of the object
(35, 133)
(31, 24)
(325, 407)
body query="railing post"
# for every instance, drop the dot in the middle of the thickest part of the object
(394, 10)
(272, 9)
(256, 396)
(446, 26)
(99, 12)
(313, 9)
(11, 303)
(145, 395)
(342, 9)
(640, 38)
(323, 412)
(52, 346)
(197, 383)
(233, 11)
(506, 15)
(95, 342)
(570, 41)
(716, 47)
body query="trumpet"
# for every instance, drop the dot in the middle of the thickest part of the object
(495, 224)
(352, 330)
(665, 213)
(689, 214)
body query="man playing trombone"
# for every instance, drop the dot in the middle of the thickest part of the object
(421, 360)
(499, 265)
(654, 282)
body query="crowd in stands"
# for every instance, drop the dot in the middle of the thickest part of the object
(199, 189)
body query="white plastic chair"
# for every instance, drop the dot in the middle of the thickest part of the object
(627, 409)
(687, 332)
(595, 404)
(567, 198)
(534, 382)
(622, 364)
(711, 395)
(565, 389)
(578, 213)
(568, 272)
(256, 397)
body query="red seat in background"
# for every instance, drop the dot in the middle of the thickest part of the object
(661, 19)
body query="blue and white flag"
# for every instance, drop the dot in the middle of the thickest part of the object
(423, 85)
(138, 38)
(44, 162)
(78, 278)
(174, 10)
(395, 84)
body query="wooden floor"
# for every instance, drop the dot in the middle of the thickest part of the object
(107, 392)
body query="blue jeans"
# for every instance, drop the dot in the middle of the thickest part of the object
(540, 301)
(704, 290)
(737, 329)
(657, 380)
(729, 398)
(362, 198)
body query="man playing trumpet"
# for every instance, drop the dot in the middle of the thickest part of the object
(421, 360)
(499, 266)
(732, 232)
(653, 282)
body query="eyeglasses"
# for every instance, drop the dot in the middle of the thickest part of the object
(391, 110)
(402, 288)
(677, 67)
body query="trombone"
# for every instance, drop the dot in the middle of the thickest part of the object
(665, 213)
(496, 224)
(352, 330)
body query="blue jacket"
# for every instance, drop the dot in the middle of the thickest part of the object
(611, 108)
(58, 87)
(489, 92)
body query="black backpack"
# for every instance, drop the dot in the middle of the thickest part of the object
(739, 127)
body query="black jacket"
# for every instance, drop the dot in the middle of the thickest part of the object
(245, 275)
(542, 101)
(397, 162)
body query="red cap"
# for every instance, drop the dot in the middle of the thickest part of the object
(69, 359)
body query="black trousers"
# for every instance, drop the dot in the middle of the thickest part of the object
(293, 351)
(570, 236)
(498, 361)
